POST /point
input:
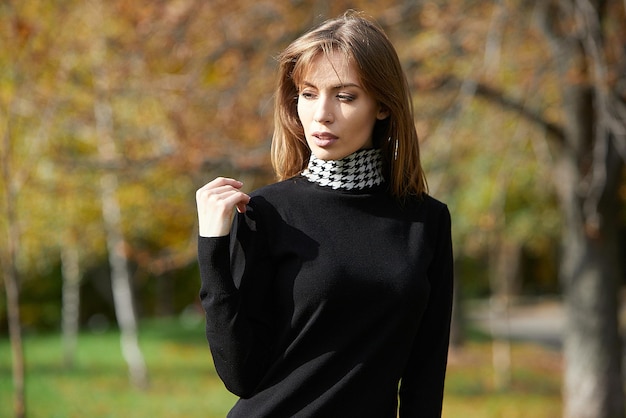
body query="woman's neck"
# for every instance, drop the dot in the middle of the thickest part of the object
(360, 170)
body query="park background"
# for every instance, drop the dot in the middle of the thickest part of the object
(112, 114)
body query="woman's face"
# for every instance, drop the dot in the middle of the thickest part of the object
(337, 115)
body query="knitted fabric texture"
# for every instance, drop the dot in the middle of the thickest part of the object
(360, 170)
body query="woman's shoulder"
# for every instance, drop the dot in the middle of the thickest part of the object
(431, 201)
(426, 203)
(281, 194)
(280, 189)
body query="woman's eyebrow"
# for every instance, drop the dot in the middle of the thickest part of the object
(335, 87)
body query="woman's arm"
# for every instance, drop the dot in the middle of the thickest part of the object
(421, 388)
(236, 326)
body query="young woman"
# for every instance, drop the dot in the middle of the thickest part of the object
(330, 293)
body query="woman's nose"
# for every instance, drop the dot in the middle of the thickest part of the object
(323, 111)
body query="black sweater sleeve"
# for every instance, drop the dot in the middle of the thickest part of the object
(421, 390)
(233, 271)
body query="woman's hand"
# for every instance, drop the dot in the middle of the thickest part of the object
(216, 203)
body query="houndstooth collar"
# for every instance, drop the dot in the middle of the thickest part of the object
(359, 170)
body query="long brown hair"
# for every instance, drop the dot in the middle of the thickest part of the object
(381, 76)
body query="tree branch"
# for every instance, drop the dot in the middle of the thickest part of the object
(497, 96)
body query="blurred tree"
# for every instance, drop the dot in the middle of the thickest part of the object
(575, 100)
(586, 39)
(10, 273)
(101, 65)
(24, 136)
(70, 268)
(189, 91)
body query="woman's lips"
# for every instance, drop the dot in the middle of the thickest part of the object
(324, 139)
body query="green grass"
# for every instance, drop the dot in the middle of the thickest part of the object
(534, 389)
(183, 382)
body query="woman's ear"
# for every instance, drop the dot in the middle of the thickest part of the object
(383, 113)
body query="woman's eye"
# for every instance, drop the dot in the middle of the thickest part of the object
(345, 97)
(307, 95)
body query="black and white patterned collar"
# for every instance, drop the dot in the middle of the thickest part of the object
(360, 170)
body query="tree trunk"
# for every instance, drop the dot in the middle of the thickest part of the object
(120, 276)
(111, 211)
(592, 346)
(120, 281)
(11, 282)
(71, 302)
(15, 334)
(587, 176)
(589, 268)
(504, 270)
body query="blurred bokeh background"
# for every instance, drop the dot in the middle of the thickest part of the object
(112, 114)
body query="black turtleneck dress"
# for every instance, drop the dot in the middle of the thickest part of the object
(330, 302)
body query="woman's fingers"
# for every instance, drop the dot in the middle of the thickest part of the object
(241, 207)
(215, 185)
(216, 202)
(221, 181)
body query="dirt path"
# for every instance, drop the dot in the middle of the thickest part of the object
(539, 321)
